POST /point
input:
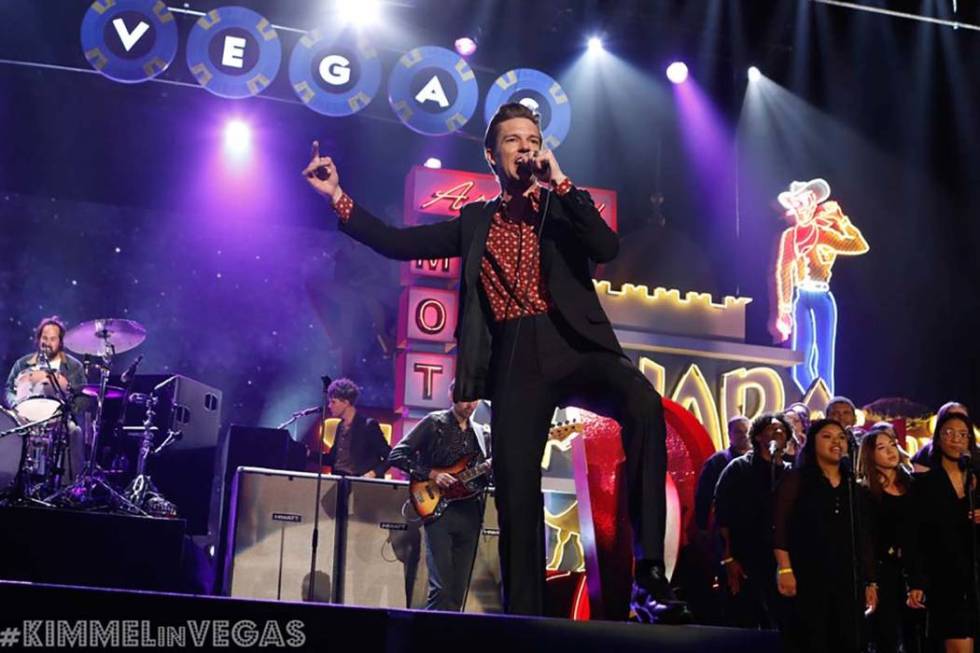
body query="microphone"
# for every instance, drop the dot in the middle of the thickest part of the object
(774, 448)
(307, 411)
(846, 465)
(965, 461)
(131, 370)
(527, 162)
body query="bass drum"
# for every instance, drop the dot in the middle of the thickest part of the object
(10, 449)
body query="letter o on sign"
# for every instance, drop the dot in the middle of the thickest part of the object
(430, 316)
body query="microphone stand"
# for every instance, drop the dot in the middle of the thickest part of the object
(319, 480)
(966, 463)
(775, 460)
(847, 476)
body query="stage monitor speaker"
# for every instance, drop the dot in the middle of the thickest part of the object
(270, 531)
(484, 593)
(382, 547)
(185, 405)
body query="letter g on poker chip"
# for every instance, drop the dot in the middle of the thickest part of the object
(334, 75)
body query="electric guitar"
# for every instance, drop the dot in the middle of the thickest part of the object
(430, 500)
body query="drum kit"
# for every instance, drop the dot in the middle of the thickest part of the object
(45, 430)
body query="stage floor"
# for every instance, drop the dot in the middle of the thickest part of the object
(53, 615)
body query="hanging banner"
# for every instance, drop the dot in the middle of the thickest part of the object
(333, 76)
(129, 41)
(540, 93)
(433, 90)
(233, 52)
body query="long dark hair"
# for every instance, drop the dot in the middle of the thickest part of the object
(936, 455)
(808, 457)
(870, 477)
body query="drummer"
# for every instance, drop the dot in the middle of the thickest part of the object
(48, 341)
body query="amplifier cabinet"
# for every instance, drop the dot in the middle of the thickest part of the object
(270, 534)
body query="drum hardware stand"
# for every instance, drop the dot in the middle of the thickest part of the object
(22, 491)
(141, 491)
(82, 493)
(60, 441)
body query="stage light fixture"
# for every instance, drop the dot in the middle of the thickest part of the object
(360, 13)
(754, 73)
(238, 137)
(465, 46)
(595, 44)
(677, 72)
(433, 162)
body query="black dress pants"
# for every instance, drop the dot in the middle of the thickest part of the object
(537, 364)
(450, 545)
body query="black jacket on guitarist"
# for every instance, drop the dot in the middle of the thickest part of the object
(436, 442)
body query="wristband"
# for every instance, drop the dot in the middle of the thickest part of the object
(784, 570)
(728, 561)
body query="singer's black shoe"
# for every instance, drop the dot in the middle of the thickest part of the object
(653, 601)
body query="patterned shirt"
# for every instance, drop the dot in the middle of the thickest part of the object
(510, 271)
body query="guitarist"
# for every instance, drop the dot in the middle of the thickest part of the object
(440, 440)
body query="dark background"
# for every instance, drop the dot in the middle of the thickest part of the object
(115, 199)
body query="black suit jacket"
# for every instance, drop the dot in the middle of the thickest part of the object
(574, 239)
(368, 447)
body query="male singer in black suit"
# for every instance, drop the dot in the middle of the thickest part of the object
(531, 336)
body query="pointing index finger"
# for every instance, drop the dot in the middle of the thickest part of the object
(316, 149)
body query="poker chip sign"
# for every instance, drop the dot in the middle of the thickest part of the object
(433, 90)
(129, 41)
(332, 76)
(540, 93)
(233, 52)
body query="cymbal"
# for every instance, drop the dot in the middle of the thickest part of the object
(99, 337)
(111, 391)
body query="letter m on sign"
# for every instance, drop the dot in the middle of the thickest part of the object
(439, 268)
(433, 265)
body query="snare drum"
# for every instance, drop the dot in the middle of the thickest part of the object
(36, 397)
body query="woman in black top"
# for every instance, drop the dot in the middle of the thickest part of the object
(815, 550)
(885, 486)
(942, 576)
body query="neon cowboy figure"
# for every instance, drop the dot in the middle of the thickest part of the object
(820, 232)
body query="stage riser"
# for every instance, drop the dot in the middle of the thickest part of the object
(98, 550)
(331, 628)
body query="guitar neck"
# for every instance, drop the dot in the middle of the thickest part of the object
(473, 472)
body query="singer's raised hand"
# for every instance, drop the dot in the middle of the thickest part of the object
(321, 173)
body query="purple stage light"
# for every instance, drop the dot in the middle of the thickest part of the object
(432, 162)
(595, 44)
(465, 46)
(754, 73)
(238, 137)
(677, 72)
